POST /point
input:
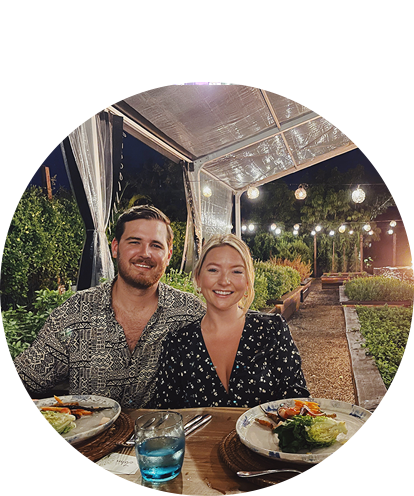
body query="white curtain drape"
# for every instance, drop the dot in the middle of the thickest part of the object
(92, 147)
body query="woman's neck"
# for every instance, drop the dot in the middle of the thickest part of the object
(214, 320)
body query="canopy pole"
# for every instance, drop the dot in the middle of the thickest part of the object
(238, 213)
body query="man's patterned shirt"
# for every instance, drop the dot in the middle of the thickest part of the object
(83, 343)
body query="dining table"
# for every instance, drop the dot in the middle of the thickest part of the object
(211, 454)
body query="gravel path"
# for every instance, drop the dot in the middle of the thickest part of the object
(318, 329)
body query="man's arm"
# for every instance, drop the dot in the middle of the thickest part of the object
(11, 387)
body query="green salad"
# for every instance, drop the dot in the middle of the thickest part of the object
(61, 422)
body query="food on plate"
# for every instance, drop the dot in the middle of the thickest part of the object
(72, 408)
(38, 424)
(305, 432)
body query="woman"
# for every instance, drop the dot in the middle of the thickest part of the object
(231, 356)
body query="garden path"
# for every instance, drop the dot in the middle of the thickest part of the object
(319, 331)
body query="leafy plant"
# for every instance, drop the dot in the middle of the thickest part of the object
(386, 331)
(304, 268)
(379, 288)
(21, 325)
(280, 279)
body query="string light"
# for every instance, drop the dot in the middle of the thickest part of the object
(358, 195)
(252, 192)
(341, 229)
(318, 228)
(207, 191)
(367, 227)
(300, 193)
(251, 227)
(393, 223)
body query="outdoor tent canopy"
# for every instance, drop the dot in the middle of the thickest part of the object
(229, 138)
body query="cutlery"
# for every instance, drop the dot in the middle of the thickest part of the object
(131, 441)
(31, 461)
(409, 448)
(316, 472)
(196, 424)
(398, 433)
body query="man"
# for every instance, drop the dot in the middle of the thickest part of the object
(107, 340)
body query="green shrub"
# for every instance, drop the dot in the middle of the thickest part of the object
(379, 288)
(280, 279)
(180, 280)
(261, 294)
(43, 246)
(386, 331)
(21, 325)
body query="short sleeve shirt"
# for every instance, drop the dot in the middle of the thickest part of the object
(82, 342)
(267, 367)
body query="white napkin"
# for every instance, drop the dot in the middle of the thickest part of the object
(119, 464)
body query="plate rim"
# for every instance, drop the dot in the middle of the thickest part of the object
(296, 457)
(51, 443)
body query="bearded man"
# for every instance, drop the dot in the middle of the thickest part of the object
(107, 340)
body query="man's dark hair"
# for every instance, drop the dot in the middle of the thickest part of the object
(143, 212)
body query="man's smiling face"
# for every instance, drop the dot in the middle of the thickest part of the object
(142, 253)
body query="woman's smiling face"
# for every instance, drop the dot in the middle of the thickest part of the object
(222, 277)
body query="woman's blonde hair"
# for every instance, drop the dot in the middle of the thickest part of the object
(240, 246)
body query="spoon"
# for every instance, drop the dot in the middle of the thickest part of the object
(31, 461)
(316, 472)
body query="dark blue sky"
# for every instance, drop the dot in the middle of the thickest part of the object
(28, 137)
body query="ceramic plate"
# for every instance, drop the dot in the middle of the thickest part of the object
(262, 440)
(89, 425)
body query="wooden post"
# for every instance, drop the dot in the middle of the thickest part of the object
(333, 255)
(394, 249)
(46, 184)
(314, 257)
(361, 253)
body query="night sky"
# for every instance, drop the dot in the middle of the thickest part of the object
(28, 137)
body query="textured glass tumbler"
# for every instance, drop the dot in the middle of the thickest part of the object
(159, 445)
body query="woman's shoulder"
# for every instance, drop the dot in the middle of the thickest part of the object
(268, 319)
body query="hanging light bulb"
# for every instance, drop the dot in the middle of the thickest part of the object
(252, 192)
(273, 227)
(367, 227)
(351, 232)
(300, 193)
(278, 230)
(371, 232)
(390, 231)
(393, 223)
(313, 233)
(318, 228)
(207, 191)
(296, 227)
(341, 229)
(244, 228)
(331, 233)
(409, 191)
(295, 232)
(251, 227)
(358, 195)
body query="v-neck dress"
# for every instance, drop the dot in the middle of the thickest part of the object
(267, 367)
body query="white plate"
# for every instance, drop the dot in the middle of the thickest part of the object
(262, 440)
(89, 425)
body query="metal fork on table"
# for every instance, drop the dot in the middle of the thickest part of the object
(399, 436)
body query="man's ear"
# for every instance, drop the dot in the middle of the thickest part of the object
(169, 256)
(114, 248)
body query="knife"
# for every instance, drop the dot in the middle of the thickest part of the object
(196, 424)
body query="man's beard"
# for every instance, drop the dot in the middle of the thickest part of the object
(139, 281)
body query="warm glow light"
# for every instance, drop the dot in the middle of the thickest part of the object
(273, 227)
(390, 231)
(251, 227)
(252, 192)
(341, 229)
(351, 232)
(318, 228)
(313, 233)
(296, 227)
(244, 228)
(207, 191)
(358, 195)
(295, 232)
(393, 223)
(371, 232)
(331, 233)
(278, 230)
(367, 227)
(409, 191)
(300, 193)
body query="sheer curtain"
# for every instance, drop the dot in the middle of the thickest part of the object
(92, 155)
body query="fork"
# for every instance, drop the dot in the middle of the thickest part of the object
(409, 448)
(398, 433)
